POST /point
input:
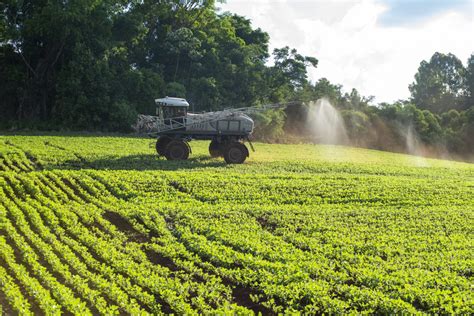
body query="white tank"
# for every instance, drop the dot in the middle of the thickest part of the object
(220, 122)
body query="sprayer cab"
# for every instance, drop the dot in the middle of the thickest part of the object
(168, 108)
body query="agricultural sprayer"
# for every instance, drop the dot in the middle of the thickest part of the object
(174, 127)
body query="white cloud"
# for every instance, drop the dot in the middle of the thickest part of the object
(352, 47)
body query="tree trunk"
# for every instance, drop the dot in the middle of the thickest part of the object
(177, 66)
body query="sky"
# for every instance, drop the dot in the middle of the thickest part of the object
(375, 46)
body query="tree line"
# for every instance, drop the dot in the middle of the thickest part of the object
(439, 115)
(96, 64)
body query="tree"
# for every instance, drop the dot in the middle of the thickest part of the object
(182, 41)
(357, 124)
(355, 101)
(93, 64)
(291, 67)
(35, 34)
(323, 88)
(470, 82)
(69, 65)
(269, 125)
(440, 84)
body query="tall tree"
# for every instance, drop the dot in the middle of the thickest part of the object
(67, 66)
(470, 82)
(439, 84)
(293, 66)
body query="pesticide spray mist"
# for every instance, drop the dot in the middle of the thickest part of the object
(325, 123)
(412, 142)
(414, 147)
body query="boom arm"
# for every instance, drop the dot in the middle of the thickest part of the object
(263, 108)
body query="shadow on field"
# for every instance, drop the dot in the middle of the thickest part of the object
(138, 162)
(95, 134)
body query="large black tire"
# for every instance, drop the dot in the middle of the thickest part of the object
(215, 149)
(235, 153)
(177, 150)
(161, 144)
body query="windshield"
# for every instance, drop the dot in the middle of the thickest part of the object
(173, 111)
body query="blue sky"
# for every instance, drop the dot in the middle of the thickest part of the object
(411, 11)
(375, 46)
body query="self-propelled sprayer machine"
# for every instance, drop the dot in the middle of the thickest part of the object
(227, 130)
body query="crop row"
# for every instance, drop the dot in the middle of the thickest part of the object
(15, 161)
(367, 232)
(125, 266)
(158, 243)
(122, 153)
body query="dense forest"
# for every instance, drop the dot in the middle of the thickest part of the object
(94, 64)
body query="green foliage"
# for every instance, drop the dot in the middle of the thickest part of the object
(175, 89)
(424, 123)
(100, 225)
(291, 66)
(269, 125)
(322, 88)
(470, 81)
(357, 124)
(355, 101)
(81, 65)
(440, 84)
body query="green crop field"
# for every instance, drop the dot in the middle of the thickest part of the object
(101, 225)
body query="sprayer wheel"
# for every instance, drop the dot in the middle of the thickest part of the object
(215, 149)
(235, 153)
(161, 144)
(177, 150)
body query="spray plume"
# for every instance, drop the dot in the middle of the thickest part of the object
(325, 123)
(414, 146)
